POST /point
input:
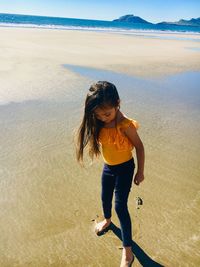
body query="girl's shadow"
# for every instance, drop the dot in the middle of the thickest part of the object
(142, 257)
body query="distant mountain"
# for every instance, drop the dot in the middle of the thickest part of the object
(131, 19)
(183, 22)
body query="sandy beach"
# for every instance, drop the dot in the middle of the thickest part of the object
(47, 201)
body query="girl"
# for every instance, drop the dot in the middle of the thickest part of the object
(108, 131)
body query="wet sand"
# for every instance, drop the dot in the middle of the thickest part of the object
(47, 201)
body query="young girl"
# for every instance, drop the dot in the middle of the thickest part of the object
(108, 131)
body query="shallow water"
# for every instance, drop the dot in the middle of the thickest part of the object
(195, 49)
(47, 201)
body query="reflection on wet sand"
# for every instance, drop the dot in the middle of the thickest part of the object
(47, 200)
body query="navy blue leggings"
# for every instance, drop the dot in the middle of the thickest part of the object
(118, 179)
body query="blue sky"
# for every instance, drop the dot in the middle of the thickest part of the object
(151, 10)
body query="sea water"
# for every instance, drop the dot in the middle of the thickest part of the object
(13, 20)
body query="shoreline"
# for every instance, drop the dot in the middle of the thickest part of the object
(121, 49)
(34, 58)
(183, 35)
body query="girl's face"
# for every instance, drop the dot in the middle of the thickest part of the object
(107, 114)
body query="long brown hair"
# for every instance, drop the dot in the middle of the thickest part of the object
(101, 94)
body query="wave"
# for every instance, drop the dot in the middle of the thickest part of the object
(100, 29)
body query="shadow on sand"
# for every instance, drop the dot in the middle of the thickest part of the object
(139, 253)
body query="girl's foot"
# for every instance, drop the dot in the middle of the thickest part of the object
(127, 257)
(102, 226)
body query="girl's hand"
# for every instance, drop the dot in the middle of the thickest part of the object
(139, 177)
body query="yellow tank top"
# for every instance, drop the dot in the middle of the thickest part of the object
(116, 148)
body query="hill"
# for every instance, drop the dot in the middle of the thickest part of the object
(135, 19)
(183, 22)
(131, 19)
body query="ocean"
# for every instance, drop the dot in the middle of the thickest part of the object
(14, 20)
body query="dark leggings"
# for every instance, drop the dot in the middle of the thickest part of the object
(118, 178)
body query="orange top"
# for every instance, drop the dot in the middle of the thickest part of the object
(115, 145)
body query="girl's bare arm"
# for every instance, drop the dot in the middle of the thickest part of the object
(133, 136)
